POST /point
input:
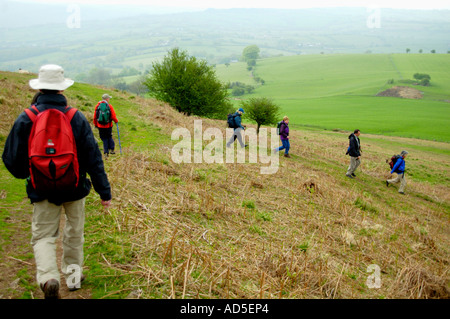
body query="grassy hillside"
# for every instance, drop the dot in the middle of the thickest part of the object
(227, 231)
(338, 92)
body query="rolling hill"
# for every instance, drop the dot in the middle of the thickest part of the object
(339, 91)
(224, 230)
(111, 39)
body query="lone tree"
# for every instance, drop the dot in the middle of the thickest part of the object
(189, 85)
(262, 110)
(250, 52)
(249, 55)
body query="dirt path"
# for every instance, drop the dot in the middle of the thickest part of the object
(402, 92)
(17, 264)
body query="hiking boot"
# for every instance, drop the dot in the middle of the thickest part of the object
(403, 193)
(112, 152)
(349, 176)
(82, 278)
(51, 289)
(353, 174)
(287, 155)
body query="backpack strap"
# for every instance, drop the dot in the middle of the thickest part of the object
(70, 112)
(32, 112)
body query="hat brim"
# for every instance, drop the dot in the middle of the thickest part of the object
(38, 85)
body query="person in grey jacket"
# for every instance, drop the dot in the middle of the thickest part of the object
(354, 151)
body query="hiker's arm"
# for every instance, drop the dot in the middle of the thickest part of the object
(106, 203)
(113, 114)
(89, 154)
(95, 119)
(397, 164)
(15, 153)
(284, 130)
(238, 121)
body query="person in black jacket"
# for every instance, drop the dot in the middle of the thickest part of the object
(48, 206)
(354, 151)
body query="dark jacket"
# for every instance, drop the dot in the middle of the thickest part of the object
(354, 146)
(15, 154)
(284, 131)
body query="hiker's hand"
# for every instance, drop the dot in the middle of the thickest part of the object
(106, 203)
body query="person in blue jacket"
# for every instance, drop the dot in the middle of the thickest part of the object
(238, 128)
(399, 168)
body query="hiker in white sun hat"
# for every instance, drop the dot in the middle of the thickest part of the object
(51, 77)
(52, 146)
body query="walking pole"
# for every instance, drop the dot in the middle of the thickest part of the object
(118, 135)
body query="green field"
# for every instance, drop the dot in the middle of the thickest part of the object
(339, 92)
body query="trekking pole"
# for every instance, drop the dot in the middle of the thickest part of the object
(118, 135)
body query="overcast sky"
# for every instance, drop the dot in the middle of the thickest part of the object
(289, 4)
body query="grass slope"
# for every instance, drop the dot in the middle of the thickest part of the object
(226, 231)
(338, 92)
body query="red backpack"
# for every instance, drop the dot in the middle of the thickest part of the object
(52, 151)
(393, 160)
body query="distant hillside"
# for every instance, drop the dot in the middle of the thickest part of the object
(216, 35)
(218, 231)
(339, 91)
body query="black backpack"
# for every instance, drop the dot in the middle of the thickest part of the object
(279, 127)
(231, 120)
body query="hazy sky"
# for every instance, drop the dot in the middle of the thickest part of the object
(290, 4)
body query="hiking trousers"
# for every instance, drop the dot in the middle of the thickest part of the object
(45, 231)
(106, 137)
(400, 178)
(286, 145)
(354, 163)
(237, 134)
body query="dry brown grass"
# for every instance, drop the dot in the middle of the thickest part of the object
(304, 238)
(226, 231)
